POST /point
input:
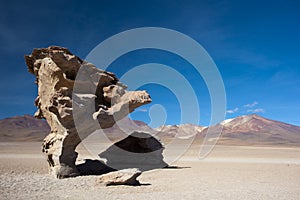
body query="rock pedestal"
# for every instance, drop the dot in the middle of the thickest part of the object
(98, 97)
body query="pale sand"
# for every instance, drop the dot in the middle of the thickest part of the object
(227, 173)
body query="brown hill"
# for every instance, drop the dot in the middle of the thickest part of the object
(255, 129)
(183, 131)
(23, 128)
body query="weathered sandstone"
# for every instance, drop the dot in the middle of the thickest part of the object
(71, 105)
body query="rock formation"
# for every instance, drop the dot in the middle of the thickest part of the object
(138, 150)
(121, 177)
(71, 90)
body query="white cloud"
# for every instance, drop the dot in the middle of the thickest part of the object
(232, 111)
(251, 105)
(257, 110)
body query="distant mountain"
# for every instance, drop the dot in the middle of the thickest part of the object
(28, 128)
(255, 129)
(243, 130)
(183, 131)
(23, 128)
(123, 127)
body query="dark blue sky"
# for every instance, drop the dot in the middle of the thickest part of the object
(255, 45)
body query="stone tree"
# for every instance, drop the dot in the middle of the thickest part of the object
(98, 97)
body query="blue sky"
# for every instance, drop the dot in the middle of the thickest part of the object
(255, 45)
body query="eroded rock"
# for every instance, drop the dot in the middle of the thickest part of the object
(95, 96)
(139, 150)
(121, 177)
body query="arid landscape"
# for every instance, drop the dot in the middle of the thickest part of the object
(264, 170)
(138, 100)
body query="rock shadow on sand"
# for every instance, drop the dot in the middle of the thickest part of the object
(139, 150)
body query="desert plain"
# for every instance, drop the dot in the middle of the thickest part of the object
(228, 172)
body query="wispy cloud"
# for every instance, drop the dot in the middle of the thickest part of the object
(247, 108)
(257, 110)
(232, 111)
(251, 105)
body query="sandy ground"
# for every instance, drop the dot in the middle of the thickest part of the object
(227, 173)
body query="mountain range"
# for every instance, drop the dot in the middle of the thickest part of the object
(243, 130)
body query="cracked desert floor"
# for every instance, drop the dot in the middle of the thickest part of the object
(229, 172)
